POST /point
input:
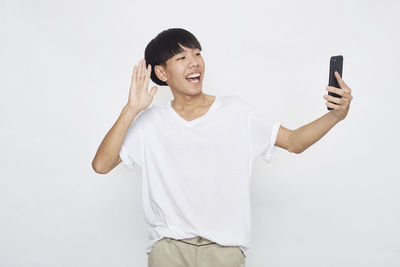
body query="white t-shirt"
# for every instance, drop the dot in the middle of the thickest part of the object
(196, 174)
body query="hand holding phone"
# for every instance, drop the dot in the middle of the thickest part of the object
(336, 64)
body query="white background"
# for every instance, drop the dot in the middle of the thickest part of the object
(65, 74)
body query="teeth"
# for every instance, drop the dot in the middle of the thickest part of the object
(194, 75)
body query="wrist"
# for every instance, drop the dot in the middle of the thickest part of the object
(334, 118)
(131, 109)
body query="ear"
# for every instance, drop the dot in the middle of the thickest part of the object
(160, 73)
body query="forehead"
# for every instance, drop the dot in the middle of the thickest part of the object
(185, 50)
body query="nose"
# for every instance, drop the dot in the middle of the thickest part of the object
(194, 61)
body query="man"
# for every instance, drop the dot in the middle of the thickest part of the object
(196, 154)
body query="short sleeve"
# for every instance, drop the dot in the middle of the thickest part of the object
(263, 133)
(132, 147)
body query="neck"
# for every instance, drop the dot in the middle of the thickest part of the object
(187, 102)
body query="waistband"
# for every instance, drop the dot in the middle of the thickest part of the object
(197, 241)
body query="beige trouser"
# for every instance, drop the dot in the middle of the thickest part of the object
(194, 252)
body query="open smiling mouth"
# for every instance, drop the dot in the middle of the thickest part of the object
(193, 78)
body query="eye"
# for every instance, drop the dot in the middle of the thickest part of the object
(184, 57)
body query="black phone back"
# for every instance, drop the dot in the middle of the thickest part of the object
(336, 64)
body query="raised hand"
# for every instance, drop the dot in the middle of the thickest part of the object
(340, 105)
(139, 97)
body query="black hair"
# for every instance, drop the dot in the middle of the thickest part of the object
(166, 45)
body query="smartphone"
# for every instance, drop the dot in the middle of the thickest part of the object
(336, 64)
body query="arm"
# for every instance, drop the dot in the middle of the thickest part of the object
(300, 139)
(107, 156)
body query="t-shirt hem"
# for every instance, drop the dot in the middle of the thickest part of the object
(126, 160)
(273, 147)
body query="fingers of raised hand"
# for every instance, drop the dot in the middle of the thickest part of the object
(336, 100)
(134, 75)
(335, 90)
(141, 75)
(342, 84)
(141, 70)
(332, 105)
(147, 78)
(344, 93)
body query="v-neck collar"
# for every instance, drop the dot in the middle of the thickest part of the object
(194, 122)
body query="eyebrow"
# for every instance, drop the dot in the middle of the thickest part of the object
(185, 51)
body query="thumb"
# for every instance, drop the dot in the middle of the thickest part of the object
(153, 91)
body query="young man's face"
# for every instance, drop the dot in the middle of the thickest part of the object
(179, 67)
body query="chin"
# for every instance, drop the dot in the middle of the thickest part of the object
(197, 92)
